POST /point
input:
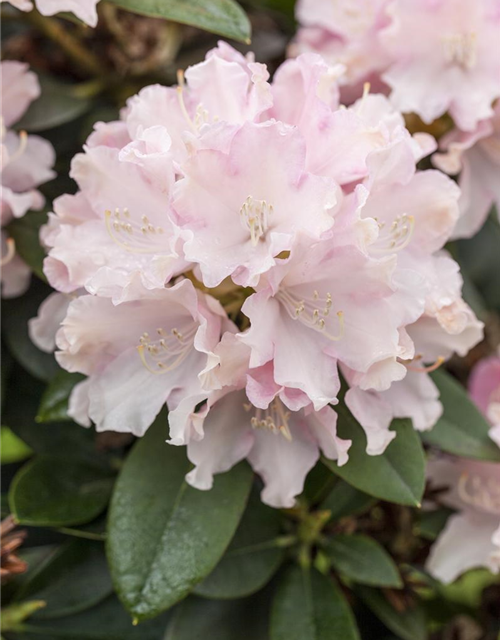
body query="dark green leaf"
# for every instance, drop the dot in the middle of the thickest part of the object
(58, 103)
(65, 439)
(310, 606)
(252, 558)
(407, 625)
(200, 619)
(54, 492)
(54, 403)
(398, 475)
(26, 234)
(106, 621)
(74, 578)
(5, 372)
(462, 430)
(164, 536)
(344, 500)
(224, 17)
(15, 315)
(363, 560)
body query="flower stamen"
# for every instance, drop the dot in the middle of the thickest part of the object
(313, 312)
(274, 418)
(479, 492)
(169, 351)
(131, 235)
(254, 215)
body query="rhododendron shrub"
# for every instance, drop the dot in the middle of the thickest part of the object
(258, 356)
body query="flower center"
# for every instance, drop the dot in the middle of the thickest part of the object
(396, 237)
(461, 49)
(480, 492)
(274, 418)
(134, 236)
(168, 351)
(313, 312)
(254, 216)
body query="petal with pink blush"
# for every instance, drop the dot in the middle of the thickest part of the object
(241, 216)
(43, 328)
(19, 86)
(467, 542)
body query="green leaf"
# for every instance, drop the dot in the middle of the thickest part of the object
(200, 619)
(66, 439)
(363, 560)
(164, 536)
(252, 558)
(74, 578)
(5, 372)
(15, 315)
(26, 234)
(310, 606)
(58, 104)
(397, 475)
(344, 500)
(462, 429)
(51, 491)
(13, 449)
(224, 17)
(106, 621)
(54, 403)
(407, 625)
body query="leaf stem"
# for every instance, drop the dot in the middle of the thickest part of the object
(85, 60)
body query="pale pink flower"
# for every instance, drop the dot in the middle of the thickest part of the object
(116, 234)
(44, 327)
(239, 216)
(445, 57)
(346, 32)
(26, 163)
(484, 387)
(471, 537)
(226, 87)
(83, 9)
(330, 304)
(282, 445)
(475, 155)
(138, 356)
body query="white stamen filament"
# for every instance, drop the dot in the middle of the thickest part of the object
(254, 215)
(397, 238)
(23, 143)
(11, 252)
(313, 312)
(461, 49)
(168, 351)
(274, 418)
(482, 493)
(133, 236)
(429, 369)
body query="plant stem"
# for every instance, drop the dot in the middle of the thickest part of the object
(86, 61)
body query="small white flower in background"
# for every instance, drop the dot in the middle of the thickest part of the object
(27, 162)
(83, 9)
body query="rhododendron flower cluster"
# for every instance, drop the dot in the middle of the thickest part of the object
(27, 162)
(433, 55)
(83, 9)
(471, 537)
(237, 246)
